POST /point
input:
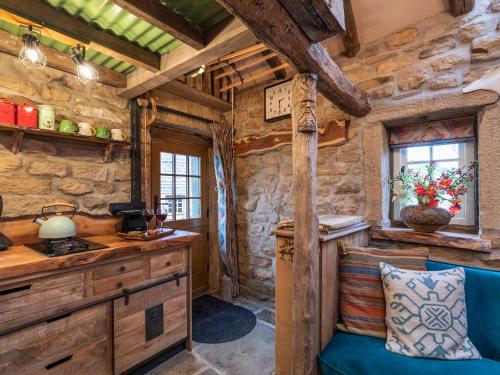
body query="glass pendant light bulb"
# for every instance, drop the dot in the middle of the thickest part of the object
(30, 54)
(86, 72)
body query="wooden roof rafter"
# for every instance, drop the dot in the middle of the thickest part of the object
(165, 19)
(274, 26)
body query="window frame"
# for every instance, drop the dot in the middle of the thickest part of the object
(178, 200)
(467, 154)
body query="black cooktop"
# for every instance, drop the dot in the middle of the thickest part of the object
(65, 246)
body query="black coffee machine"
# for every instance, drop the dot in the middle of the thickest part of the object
(131, 215)
(4, 241)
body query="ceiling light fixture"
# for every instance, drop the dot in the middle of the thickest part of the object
(86, 72)
(30, 54)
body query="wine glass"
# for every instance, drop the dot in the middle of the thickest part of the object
(148, 215)
(161, 215)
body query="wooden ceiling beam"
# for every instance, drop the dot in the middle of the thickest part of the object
(153, 12)
(185, 59)
(184, 91)
(318, 19)
(273, 25)
(223, 64)
(254, 76)
(12, 44)
(241, 67)
(42, 13)
(460, 7)
(351, 40)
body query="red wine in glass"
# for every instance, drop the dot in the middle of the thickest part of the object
(160, 217)
(148, 215)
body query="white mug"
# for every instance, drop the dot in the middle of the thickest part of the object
(118, 135)
(84, 128)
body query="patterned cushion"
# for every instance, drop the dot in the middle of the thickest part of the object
(426, 314)
(362, 304)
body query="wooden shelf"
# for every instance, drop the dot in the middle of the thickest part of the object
(18, 133)
(448, 239)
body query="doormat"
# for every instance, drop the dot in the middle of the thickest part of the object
(216, 321)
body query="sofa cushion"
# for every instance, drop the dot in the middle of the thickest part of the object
(426, 314)
(482, 296)
(350, 354)
(362, 304)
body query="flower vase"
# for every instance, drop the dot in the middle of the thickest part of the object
(422, 218)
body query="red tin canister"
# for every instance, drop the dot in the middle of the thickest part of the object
(7, 112)
(26, 115)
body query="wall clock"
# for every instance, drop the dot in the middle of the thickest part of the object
(278, 101)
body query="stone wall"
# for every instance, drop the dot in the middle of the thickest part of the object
(47, 170)
(416, 71)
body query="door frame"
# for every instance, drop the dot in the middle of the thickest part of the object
(171, 135)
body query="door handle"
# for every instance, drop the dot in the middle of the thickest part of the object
(59, 362)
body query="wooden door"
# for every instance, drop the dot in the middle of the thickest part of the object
(180, 185)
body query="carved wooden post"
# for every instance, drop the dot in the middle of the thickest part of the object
(305, 309)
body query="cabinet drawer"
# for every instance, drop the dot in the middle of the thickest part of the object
(117, 269)
(135, 340)
(115, 277)
(168, 264)
(39, 298)
(56, 346)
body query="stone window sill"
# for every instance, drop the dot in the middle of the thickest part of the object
(448, 239)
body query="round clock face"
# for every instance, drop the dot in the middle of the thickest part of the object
(278, 101)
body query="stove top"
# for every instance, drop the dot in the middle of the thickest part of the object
(65, 246)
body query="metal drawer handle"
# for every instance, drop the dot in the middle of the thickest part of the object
(123, 268)
(59, 362)
(14, 290)
(119, 285)
(169, 263)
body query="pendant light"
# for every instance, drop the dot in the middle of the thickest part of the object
(30, 54)
(86, 72)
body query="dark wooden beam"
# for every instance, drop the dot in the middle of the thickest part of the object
(351, 41)
(42, 13)
(460, 7)
(12, 44)
(165, 19)
(318, 19)
(272, 25)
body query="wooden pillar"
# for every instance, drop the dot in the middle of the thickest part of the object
(305, 305)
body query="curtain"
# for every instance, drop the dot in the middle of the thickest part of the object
(222, 134)
(445, 131)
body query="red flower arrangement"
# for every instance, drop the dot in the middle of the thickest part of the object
(447, 187)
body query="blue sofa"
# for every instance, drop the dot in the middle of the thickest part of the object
(349, 354)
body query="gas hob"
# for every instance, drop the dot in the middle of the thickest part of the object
(65, 246)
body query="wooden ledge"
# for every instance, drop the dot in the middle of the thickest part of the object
(447, 239)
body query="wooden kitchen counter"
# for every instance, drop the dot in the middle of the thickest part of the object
(19, 261)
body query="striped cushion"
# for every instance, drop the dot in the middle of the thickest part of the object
(362, 303)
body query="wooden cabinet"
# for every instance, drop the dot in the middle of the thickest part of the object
(328, 296)
(76, 342)
(152, 320)
(35, 299)
(90, 328)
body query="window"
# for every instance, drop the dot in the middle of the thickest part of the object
(180, 186)
(451, 155)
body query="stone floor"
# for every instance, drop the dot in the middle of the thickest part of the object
(250, 355)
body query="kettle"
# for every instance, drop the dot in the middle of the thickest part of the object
(58, 226)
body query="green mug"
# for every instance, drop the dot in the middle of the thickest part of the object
(103, 133)
(67, 126)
